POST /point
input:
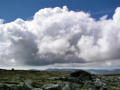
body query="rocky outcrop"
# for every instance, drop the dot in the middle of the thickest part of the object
(82, 75)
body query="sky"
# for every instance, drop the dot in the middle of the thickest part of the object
(25, 9)
(44, 34)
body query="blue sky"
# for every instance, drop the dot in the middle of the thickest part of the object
(25, 9)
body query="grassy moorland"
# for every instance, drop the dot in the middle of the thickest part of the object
(44, 80)
(17, 76)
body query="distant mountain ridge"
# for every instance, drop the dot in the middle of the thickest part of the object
(104, 71)
(94, 71)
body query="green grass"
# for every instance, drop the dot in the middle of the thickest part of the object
(17, 76)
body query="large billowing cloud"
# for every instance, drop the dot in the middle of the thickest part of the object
(58, 36)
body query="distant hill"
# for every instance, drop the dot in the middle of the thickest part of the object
(104, 71)
(94, 71)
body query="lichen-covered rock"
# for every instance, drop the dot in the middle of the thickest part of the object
(37, 89)
(8, 86)
(65, 86)
(51, 87)
(26, 85)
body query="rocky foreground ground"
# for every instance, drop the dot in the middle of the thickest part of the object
(79, 80)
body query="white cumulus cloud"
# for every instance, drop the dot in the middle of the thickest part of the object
(61, 36)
